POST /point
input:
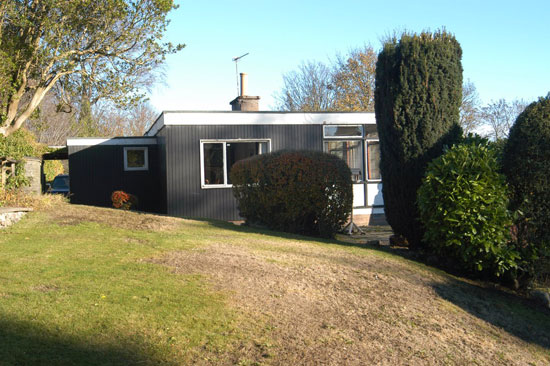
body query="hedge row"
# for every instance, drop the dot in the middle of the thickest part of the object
(302, 192)
(526, 163)
(487, 222)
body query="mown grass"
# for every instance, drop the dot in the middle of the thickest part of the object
(84, 295)
(77, 288)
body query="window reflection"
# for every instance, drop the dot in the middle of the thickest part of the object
(213, 163)
(349, 151)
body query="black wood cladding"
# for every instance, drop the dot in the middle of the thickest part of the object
(96, 171)
(184, 196)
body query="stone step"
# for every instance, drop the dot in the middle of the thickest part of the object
(14, 209)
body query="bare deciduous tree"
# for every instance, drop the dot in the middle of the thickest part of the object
(345, 85)
(133, 121)
(498, 117)
(50, 125)
(470, 112)
(308, 89)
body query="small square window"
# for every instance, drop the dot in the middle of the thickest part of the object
(136, 158)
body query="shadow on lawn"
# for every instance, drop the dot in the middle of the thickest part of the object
(399, 251)
(509, 312)
(24, 343)
(265, 231)
(514, 314)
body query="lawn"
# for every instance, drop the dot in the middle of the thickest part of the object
(91, 286)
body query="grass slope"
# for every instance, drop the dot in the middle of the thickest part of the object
(90, 286)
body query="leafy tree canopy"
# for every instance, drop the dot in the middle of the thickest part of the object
(104, 43)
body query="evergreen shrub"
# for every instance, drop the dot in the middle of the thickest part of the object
(526, 164)
(302, 192)
(417, 98)
(463, 206)
(16, 146)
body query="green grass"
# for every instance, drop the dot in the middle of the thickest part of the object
(92, 294)
(83, 295)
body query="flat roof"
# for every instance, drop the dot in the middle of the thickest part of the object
(211, 118)
(90, 141)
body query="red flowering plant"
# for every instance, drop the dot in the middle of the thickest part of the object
(123, 200)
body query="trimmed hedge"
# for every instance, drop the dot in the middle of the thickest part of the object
(302, 192)
(526, 164)
(463, 206)
(417, 98)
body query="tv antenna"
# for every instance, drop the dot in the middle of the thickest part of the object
(236, 59)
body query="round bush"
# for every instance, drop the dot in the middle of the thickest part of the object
(526, 164)
(463, 206)
(302, 192)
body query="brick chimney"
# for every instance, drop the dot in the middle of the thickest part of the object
(244, 102)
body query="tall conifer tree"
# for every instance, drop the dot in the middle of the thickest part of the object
(417, 98)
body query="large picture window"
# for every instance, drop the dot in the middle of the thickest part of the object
(217, 158)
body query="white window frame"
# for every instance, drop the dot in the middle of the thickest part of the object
(366, 150)
(361, 144)
(145, 156)
(224, 142)
(344, 137)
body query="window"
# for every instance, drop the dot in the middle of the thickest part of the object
(371, 132)
(358, 146)
(217, 158)
(213, 163)
(136, 158)
(349, 151)
(334, 131)
(373, 160)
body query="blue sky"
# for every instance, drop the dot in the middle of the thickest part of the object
(505, 44)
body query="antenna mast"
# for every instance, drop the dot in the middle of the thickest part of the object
(236, 59)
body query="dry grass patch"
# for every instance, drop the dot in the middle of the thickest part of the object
(18, 198)
(238, 296)
(325, 305)
(67, 214)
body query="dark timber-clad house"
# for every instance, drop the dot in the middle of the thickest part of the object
(180, 167)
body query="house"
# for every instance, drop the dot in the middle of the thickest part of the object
(180, 167)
